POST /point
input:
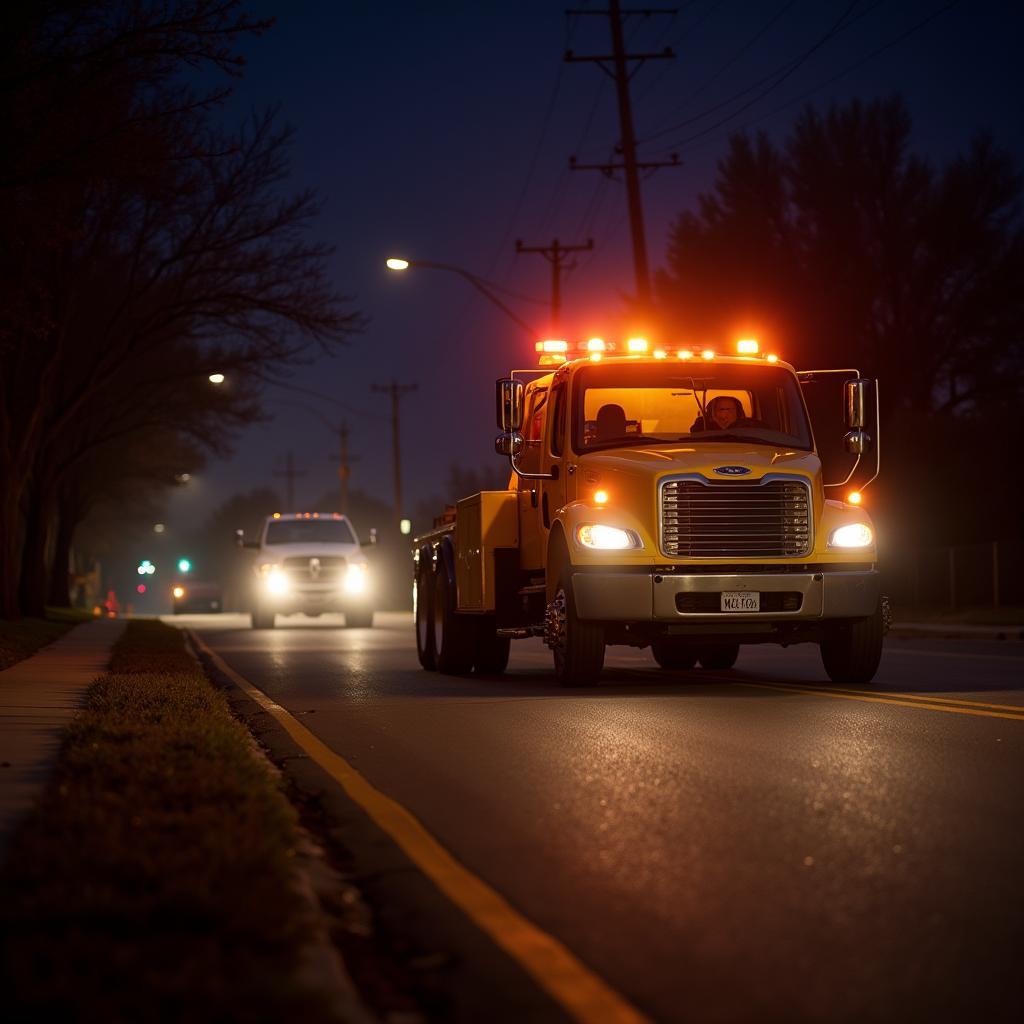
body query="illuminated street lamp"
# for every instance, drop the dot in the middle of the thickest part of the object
(216, 378)
(399, 263)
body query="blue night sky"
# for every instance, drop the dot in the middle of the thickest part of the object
(442, 131)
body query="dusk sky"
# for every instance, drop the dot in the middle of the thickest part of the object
(443, 131)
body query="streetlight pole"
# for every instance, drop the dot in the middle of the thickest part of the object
(396, 391)
(398, 264)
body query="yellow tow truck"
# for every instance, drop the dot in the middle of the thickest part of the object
(663, 498)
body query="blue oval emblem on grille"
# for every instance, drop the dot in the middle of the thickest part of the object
(732, 470)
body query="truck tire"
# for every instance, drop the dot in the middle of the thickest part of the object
(262, 619)
(720, 656)
(852, 649)
(425, 621)
(673, 654)
(360, 619)
(491, 657)
(577, 645)
(454, 634)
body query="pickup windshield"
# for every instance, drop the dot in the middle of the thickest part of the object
(309, 531)
(619, 405)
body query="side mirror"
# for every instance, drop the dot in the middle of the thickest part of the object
(509, 398)
(509, 445)
(371, 541)
(856, 404)
(857, 442)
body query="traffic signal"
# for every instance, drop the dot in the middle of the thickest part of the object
(184, 565)
(145, 568)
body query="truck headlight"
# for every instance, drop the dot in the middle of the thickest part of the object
(275, 580)
(606, 538)
(853, 535)
(355, 578)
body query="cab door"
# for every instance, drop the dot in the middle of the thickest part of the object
(532, 459)
(559, 460)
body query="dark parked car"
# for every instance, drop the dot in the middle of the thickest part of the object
(196, 596)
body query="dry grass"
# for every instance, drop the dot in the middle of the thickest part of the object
(154, 880)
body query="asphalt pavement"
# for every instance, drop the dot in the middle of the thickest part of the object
(745, 845)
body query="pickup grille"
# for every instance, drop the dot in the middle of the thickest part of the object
(322, 569)
(735, 518)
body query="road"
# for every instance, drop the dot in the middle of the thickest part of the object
(750, 845)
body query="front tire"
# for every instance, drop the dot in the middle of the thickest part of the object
(671, 654)
(851, 650)
(360, 619)
(454, 634)
(577, 645)
(720, 657)
(262, 618)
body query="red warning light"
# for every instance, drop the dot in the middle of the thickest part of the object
(141, 588)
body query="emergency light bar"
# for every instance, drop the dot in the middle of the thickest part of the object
(555, 351)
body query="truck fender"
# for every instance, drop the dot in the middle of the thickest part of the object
(445, 559)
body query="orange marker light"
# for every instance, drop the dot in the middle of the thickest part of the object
(553, 345)
(747, 347)
(660, 353)
(772, 358)
(596, 345)
(636, 345)
(601, 497)
(708, 354)
(595, 357)
(685, 353)
(178, 592)
(854, 497)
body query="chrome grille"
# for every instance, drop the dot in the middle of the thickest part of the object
(769, 518)
(316, 569)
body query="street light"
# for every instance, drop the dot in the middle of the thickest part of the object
(399, 263)
(216, 378)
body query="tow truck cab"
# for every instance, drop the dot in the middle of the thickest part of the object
(639, 513)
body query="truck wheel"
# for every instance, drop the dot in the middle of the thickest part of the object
(578, 646)
(491, 658)
(361, 619)
(851, 650)
(721, 656)
(673, 655)
(425, 622)
(262, 619)
(454, 634)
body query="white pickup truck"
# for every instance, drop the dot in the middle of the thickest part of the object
(309, 563)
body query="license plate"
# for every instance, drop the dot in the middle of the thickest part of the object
(740, 601)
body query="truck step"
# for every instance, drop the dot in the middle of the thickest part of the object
(521, 632)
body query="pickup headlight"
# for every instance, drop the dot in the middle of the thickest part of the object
(606, 538)
(853, 535)
(274, 579)
(355, 578)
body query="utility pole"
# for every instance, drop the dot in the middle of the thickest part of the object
(616, 65)
(344, 461)
(290, 473)
(555, 254)
(396, 391)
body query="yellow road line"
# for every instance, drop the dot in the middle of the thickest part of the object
(930, 704)
(580, 992)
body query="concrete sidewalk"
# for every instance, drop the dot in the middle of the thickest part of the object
(38, 697)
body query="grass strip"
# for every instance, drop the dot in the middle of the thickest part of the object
(21, 638)
(154, 880)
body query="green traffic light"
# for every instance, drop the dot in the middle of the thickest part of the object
(184, 565)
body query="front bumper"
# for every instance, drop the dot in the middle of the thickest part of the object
(313, 600)
(820, 594)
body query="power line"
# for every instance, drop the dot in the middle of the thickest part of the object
(834, 78)
(775, 78)
(555, 254)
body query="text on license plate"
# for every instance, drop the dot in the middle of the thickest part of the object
(741, 601)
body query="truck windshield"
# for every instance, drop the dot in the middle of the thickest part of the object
(309, 531)
(618, 405)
